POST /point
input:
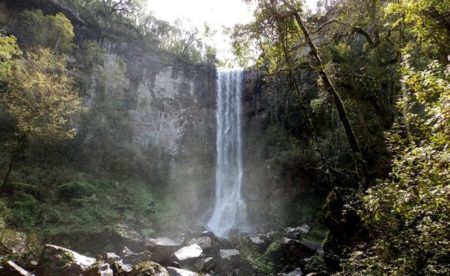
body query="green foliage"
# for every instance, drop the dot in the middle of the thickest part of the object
(408, 213)
(9, 51)
(75, 189)
(40, 96)
(35, 29)
(426, 23)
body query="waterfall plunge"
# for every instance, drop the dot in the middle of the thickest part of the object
(230, 211)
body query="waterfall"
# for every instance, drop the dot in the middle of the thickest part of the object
(230, 211)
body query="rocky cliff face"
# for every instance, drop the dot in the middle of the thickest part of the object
(159, 110)
(147, 112)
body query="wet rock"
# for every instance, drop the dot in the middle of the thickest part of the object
(111, 257)
(208, 234)
(163, 248)
(314, 264)
(56, 260)
(180, 272)
(228, 254)
(121, 269)
(269, 237)
(99, 269)
(12, 269)
(296, 233)
(129, 257)
(294, 249)
(188, 253)
(205, 264)
(208, 244)
(295, 272)
(229, 260)
(129, 237)
(258, 243)
(148, 269)
(16, 243)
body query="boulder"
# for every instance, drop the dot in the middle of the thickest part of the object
(56, 260)
(173, 271)
(295, 272)
(12, 269)
(129, 257)
(205, 264)
(188, 254)
(229, 260)
(148, 269)
(314, 264)
(209, 245)
(296, 233)
(99, 269)
(258, 243)
(129, 237)
(14, 243)
(121, 269)
(296, 250)
(110, 258)
(163, 248)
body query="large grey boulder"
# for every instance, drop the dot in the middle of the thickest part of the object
(188, 253)
(208, 244)
(205, 264)
(229, 260)
(148, 269)
(162, 248)
(173, 271)
(12, 269)
(295, 272)
(56, 260)
(130, 257)
(296, 233)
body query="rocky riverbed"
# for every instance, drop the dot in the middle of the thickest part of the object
(284, 252)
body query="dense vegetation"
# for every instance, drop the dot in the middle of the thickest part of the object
(386, 62)
(358, 97)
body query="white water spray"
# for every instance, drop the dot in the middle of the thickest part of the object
(230, 211)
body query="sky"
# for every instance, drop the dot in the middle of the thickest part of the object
(216, 13)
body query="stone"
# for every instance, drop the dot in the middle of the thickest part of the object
(227, 254)
(229, 260)
(294, 249)
(56, 260)
(12, 269)
(111, 257)
(188, 253)
(296, 233)
(16, 243)
(148, 268)
(129, 237)
(163, 248)
(180, 272)
(129, 257)
(258, 243)
(99, 269)
(121, 269)
(205, 264)
(295, 272)
(208, 244)
(314, 264)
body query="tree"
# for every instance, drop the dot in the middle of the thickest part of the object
(39, 95)
(58, 34)
(281, 22)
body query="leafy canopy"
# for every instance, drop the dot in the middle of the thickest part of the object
(39, 94)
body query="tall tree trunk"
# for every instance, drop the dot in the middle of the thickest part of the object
(12, 161)
(339, 104)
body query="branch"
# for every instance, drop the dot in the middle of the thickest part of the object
(324, 25)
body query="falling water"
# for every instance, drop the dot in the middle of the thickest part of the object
(229, 210)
